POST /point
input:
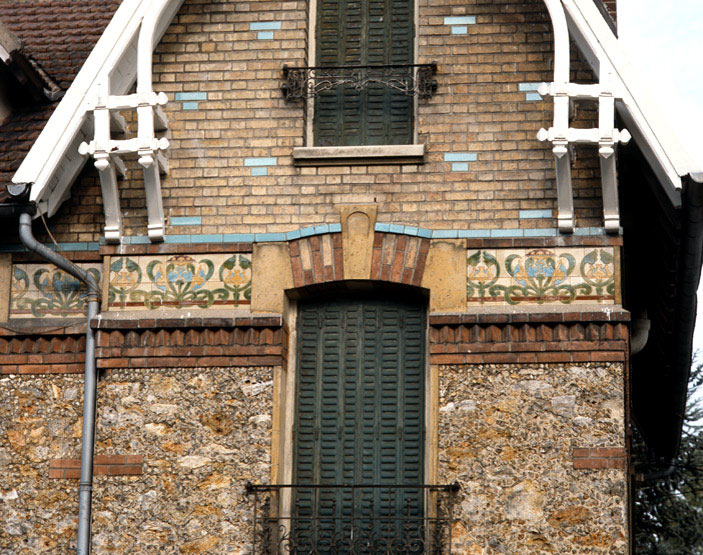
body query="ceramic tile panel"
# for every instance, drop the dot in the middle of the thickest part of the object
(568, 275)
(179, 281)
(45, 291)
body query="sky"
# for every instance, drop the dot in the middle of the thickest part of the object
(664, 39)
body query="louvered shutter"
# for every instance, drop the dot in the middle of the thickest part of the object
(364, 32)
(360, 413)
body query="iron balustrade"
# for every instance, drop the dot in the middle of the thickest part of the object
(410, 79)
(352, 519)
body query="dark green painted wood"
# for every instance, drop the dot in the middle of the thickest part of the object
(364, 32)
(360, 407)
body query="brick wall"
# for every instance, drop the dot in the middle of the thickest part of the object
(226, 109)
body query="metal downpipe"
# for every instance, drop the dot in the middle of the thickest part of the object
(91, 378)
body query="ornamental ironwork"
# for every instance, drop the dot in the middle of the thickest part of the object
(410, 79)
(352, 519)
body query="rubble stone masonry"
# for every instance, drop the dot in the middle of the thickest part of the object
(513, 436)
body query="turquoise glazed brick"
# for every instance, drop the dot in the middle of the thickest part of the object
(322, 229)
(269, 237)
(525, 87)
(250, 162)
(139, 240)
(264, 35)
(307, 231)
(551, 232)
(460, 30)
(265, 26)
(177, 239)
(460, 20)
(395, 228)
(507, 233)
(445, 234)
(383, 228)
(533, 96)
(259, 171)
(460, 167)
(12, 248)
(187, 220)
(190, 105)
(408, 230)
(238, 238)
(425, 233)
(191, 96)
(535, 214)
(293, 235)
(73, 246)
(474, 233)
(460, 157)
(335, 228)
(212, 238)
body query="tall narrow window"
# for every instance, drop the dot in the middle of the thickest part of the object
(359, 426)
(364, 33)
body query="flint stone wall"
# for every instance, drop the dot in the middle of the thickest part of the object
(40, 420)
(203, 434)
(507, 433)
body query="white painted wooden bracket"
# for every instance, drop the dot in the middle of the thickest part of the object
(562, 136)
(146, 145)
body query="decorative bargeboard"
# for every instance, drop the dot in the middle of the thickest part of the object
(580, 275)
(179, 281)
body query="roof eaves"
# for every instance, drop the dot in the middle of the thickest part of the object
(53, 161)
(662, 149)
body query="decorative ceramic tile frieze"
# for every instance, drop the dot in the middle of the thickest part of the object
(540, 276)
(42, 290)
(180, 281)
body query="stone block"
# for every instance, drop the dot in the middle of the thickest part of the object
(271, 276)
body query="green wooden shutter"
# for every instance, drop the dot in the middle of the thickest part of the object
(360, 411)
(364, 32)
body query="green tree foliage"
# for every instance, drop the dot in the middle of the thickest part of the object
(668, 509)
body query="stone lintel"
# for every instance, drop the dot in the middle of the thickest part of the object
(358, 155)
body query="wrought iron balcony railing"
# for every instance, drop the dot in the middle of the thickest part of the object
(352, 519)
(410, 79)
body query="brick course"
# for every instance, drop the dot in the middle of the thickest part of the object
(103, 465)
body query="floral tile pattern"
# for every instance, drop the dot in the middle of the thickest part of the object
(541, 276)
(180, 281)
(42, 290)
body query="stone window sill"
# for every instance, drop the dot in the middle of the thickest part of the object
(358, 155)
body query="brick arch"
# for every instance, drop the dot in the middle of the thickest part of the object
(395, 258)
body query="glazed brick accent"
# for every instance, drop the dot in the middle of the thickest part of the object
(212, 346)
(533, 342)
(50, 352)
(399, 258)
(317, 259)
(103, 465)
(599, 458)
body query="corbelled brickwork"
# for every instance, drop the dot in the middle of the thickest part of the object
(528, 337)
(510, 433)
(239, 120)
(43, 351)
(192, 343)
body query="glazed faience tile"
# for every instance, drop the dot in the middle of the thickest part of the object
(541, 276)
(43, 290)
(180, 281)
